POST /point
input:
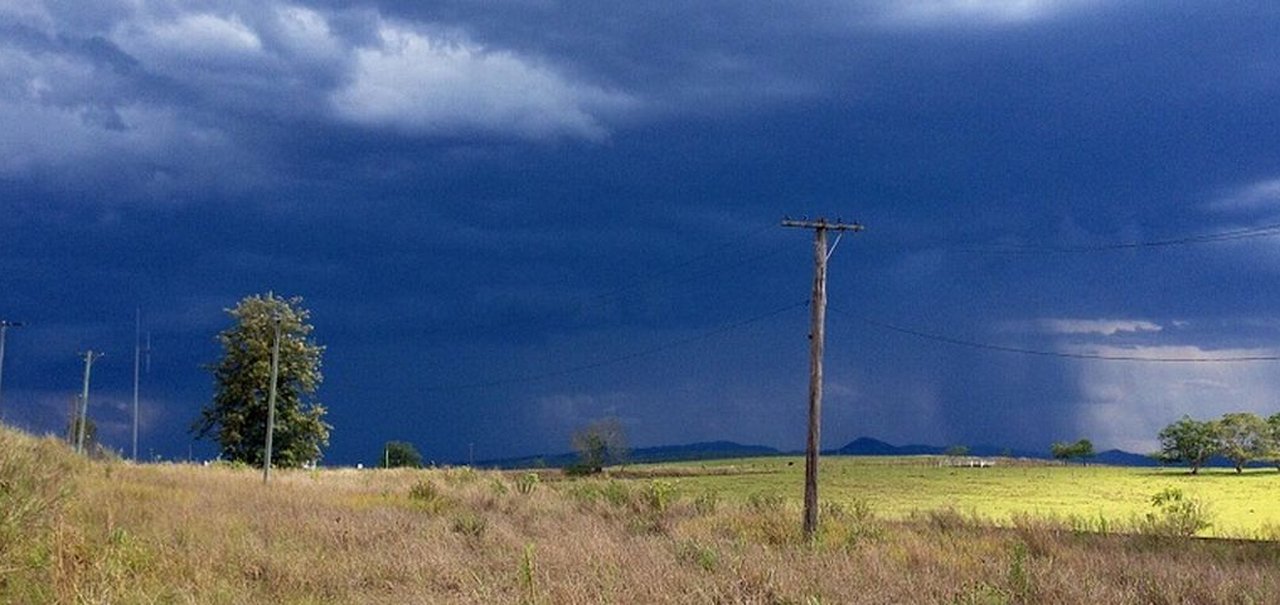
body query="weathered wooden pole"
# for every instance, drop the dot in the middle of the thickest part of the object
(817, 333)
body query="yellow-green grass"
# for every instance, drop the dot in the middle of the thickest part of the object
(1241, 505)
(79, 531)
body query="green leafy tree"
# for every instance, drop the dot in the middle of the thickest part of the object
(237, 416)
(1082, 449)
(1273, 439)
(600, 444)
(1190, 441)
(1243, 438)
(396, 454)
(1061, 450)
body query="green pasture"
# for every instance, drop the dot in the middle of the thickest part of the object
(1245, 505)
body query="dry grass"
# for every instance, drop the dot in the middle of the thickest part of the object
(183, 534)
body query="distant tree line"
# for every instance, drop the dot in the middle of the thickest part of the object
(1240, 437)
(1081, 450)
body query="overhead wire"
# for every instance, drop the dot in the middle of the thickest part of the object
(659, 276)
(1269, 230)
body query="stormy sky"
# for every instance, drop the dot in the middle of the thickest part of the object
(509, 219)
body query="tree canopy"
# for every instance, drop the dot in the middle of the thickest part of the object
(1273, 432)
(1190, 441)
(600, 444)
(1243, 437)
(1082, 449)
(237, 415)
(396, 454)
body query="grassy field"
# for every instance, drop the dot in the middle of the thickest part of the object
(1241, 506)
(78, 531)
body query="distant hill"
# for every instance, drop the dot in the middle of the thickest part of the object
(709, 450)
(867, 446)
(1123, 458)
(862, 446)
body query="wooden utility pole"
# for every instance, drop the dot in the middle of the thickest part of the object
(817, 324)
(89, 358)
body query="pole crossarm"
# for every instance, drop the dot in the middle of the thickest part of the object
(824, 224)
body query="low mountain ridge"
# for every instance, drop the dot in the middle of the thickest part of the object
(862, 446)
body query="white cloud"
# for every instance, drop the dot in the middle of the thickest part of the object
(199, 36)
(930, 13)
(306, 34)
(1105, 327)
(151, 93)
(1259, 195)
(426, 83)
(1125, 404)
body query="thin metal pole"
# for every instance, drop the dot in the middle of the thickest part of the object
(89, 356)
(137, 365)
(271, 401)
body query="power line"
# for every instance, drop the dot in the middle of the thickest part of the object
(973, 344)
(621, 358)
(1270, 230)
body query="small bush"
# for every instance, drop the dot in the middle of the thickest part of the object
(659, 495)
(586, 492)
(498, 486)
(846, 526)
(693, 552)
(470, 525)
(707, 502)
(461, 475)
(616, 493)
(526, 483)
(428, 496)
(1176, 514)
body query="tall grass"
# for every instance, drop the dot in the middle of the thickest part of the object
(122, 533)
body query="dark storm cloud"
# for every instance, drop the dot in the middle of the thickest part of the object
(468, 192)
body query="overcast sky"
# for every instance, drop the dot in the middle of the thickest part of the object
(509, 219)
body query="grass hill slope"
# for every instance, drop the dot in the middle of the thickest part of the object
(76, 531)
